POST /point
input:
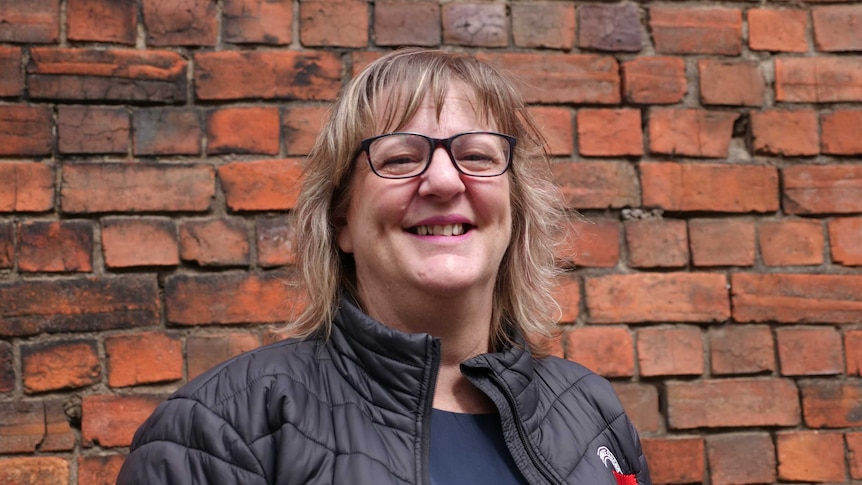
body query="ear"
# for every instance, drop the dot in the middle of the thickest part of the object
(344, 239)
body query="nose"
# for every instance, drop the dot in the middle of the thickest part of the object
(441, 179)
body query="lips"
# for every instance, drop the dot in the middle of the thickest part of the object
(440, 229)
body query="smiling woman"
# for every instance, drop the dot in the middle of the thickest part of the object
(426, 229)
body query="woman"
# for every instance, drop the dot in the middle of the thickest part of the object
(426, 228)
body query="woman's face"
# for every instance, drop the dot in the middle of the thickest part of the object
(395, 227)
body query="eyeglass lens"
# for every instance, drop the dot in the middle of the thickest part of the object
(405, 155)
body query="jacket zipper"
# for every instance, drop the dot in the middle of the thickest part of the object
(425, 469)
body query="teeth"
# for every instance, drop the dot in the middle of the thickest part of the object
(444, 230)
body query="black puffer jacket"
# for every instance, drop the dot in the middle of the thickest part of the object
(355, 409)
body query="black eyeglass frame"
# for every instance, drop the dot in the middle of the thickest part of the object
(446, 143)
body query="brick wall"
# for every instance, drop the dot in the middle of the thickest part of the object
(149, 152)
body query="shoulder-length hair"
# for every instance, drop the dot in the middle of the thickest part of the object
(383, 97)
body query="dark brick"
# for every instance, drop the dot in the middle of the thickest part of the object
(407, 23)
(318, 19)
(543, 24)
(26, 426)
(184, 23)
(167, 131)
(11, 74)
(86, 129)
(25, 130)
(610, 27)
(475, 24)
(30, 21)
(7, 245)
(7, 367)
(696, 30)
(55, 246)
(257, 22)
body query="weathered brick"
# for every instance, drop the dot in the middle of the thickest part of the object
(167, 131)
(541, 24)
(555, 124)
(243, 130)
(143, 358)
(215, 242)
(813, 189)
(593, 242)
(709, 187)
(809, 351)
(301, 126)
(610, 132)
(400, 23)
(102, 21)
(722, 403)
(359, 60)
(567, 294)
(690, 132)
(657, 243)
(741, 458)
(26, 187)
(675, 460)
(7, 245)
(122, 75)
(99, 469)
(672, 351)
(29, 307)
(696, 30)
(26, 470)
(797, 298)
(854, 454)
(274, 236)
(30, 21)
(597, 185)
(207, 351)
(655, 297)
(257, 22)
(11, 74)
(722, 242)
(836, 27)
(305, 75)
(123, 238)
(845, 240)
(25, 130)
(562, 78)
(741, 349)
(853, 352)
(64, 364)
(475, 24)
(818, 79)
(55, 246)
(730, 82)
(610, 27)
(641, 404)
(336, 23)
(785, 132)
(810, 456)
(841, 132)
(654, 80)
(777, 30)
(186, 23)
(607, 351)
(262, 184)
(110, 421)
(831, 403)
(88, 129)
(7, 367)
(28, 426)
(121, 187)
(791, 242)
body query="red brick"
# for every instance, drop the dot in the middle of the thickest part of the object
(359, 60)
(610, 27)
(675, 460)
(810, 456)
(641, 404)
(99, 469)
(257, 22)
(243, 130)
(262, 184)
(143, 358)
(722, 242)
(317, 19)
(542, 24)
(25, 130)
(591, 243)
(654, 80)
(722, 403)
(65, 364)
(44, 470)
(690, 132)
(555, 125)
(607, 351)
(87, 129)
(610, 132)
(741, 349)
(657, 243)
(567, 294)
(784, 132)
(7, 245)
(301, 126)
(836, 28)
(275, 241)
(797, 298)
(11, 75)
(229, 298)
(853, 352)
(7, 367)
(562, 78)
(29, 307)
(741, 458)
(26, 187)
(654, 297)
(475, 24)
(597, 185)
(841, 132)
(832, 404)
(854, 455)
(57, 246)
(814, 189)
(205, 352)
(29, 426)
(809, 351)
(121, 187)
(305, 75)
(167, 131)
(125, 75)
(123, 238)
(818, 79)
(709, 187)
(696, 30)
(777, 30)
(733, 83)
(791, 242)
(111, 421)
(673, 351)
(400, 23)
(186, 23)
(30, 21)
(102, 21)
(215, 242)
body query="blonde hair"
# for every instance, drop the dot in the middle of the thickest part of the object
(387, 94)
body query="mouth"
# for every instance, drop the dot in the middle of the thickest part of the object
(440, 229)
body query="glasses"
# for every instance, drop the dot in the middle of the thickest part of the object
(402, 155)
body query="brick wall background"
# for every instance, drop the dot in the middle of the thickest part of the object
(149, 152)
